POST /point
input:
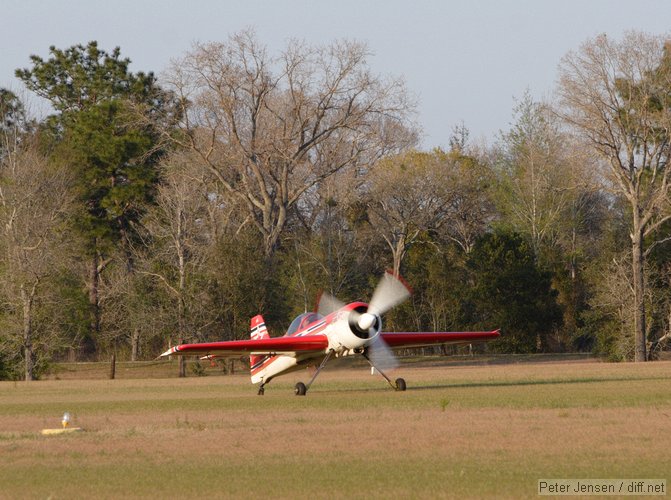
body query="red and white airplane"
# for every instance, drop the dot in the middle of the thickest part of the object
(336, 330)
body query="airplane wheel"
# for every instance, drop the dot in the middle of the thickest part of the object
(400, 384)
(261, 391)
(300, 389)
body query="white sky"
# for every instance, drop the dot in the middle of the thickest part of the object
(463, 60)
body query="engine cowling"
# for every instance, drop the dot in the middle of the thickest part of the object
(352, 331)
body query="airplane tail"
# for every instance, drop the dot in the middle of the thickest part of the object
(258, 330)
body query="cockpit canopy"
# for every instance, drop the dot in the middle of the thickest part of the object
(302, 321)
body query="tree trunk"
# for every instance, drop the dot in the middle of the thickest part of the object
(398, 252)
(112, 373)
(27, 300)
(182, 363)
(270, 243)
(180, 320)
(135, 344)
(639, 293)
(181, 306)
(94, 302)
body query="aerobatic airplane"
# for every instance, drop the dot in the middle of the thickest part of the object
(336, 330)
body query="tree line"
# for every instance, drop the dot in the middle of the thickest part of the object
(149, 211)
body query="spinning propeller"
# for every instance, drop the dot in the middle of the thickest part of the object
(389, 293)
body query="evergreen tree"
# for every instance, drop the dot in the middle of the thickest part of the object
(97, 131)
(512, 293)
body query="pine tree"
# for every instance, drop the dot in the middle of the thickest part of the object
(97, 131)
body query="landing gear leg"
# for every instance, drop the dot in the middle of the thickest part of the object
(397, 385)
(261, 390)
(301, 389)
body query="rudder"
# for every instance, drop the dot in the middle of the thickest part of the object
(257, 330)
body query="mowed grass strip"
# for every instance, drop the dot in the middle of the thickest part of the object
(457, 432)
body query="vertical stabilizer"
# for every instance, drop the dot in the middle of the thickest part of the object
(257, 331)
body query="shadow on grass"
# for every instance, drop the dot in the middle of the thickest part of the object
(517, 383)
(525, 383)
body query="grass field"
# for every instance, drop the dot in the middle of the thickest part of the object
(458, 431)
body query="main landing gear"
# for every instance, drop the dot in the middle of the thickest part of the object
(300, 389)
(397, 385)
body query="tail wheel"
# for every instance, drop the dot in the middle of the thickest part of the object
(300, 389)
(400, 384)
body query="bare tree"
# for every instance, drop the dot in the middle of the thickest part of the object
(613, 299)
(616, 96)
(537, 168)
(330, 236)
(408, 194)
(271, 128)
(181, 229)
(34, 200)
(471, 207)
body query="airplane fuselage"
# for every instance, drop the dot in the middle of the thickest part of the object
(344, 340)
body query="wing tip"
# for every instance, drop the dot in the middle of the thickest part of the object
(169, 352)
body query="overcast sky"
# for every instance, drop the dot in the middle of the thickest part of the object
(463, 60)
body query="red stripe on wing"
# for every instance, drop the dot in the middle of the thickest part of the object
(418, 339)
(257, 346)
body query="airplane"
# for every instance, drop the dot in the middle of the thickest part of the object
(336, 330)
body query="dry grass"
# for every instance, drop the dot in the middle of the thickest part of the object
(465, 431)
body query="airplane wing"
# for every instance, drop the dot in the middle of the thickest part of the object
(307, 343)
(421, 339)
